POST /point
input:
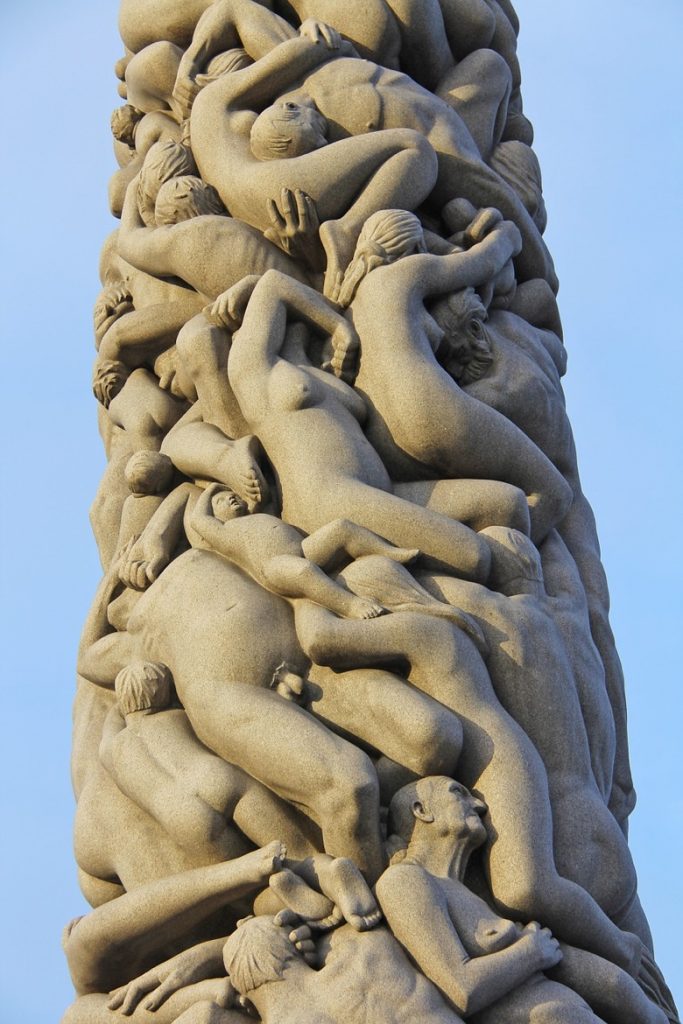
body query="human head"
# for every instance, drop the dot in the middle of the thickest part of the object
(148, 472)
(227, 505)
(124, 121)
(386, 236)
(224, 64)
(288, 129)
(443, 805)
(164, 160)
(109, 377)
(466, 349)
(185, 197)
(143, 685)
(257, 952)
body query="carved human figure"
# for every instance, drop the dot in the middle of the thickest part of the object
(123, 937)
(197, 619)
(497, 759)
(386, 132)
(153, 755)
(283, 561)
(265, 966)
(488, 967)
(517, 371)
(409, 34)
(134, 134)
(555, 665)
(309, 423)
(207, 250)
(393, 280)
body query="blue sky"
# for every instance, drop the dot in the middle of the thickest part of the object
(601, 87)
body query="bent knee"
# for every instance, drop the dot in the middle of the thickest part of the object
(435, 743)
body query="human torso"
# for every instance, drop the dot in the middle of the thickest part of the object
(314, 441)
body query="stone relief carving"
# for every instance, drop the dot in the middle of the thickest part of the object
(349, 732)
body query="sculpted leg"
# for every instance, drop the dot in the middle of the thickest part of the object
(478, 89)
(342, 539)
(203, 452)
(300, 760)
(476, 503)
(204, 351)
(294, 577)
(383, 712)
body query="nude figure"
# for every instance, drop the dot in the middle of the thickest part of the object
(341, 474)
(488, 967)
(384, 129)
(208, 251)
(397, 284)
(138, 416)
(521, 380)
(156, 916)
(195, 619)
(283, 561)
(553, 686)
(290, 991)
(134, 134)
(497, 759)
(154, 757)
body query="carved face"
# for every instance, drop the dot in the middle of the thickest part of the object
(458, 811)
(289, 128)
(227, 505)
(465, 350)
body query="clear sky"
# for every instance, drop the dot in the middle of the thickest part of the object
(602, 87)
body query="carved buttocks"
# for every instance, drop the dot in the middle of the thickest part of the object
(351, 741)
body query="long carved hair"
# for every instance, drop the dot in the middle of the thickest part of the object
(385, 237)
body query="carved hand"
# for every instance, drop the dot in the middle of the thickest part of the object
(187, 968)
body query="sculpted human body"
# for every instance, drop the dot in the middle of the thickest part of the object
(547, 675)
(318, 97)
(224, 686)
(404, 383)
(523, 384)
(497, 759)
(293, 406)
(489, 968)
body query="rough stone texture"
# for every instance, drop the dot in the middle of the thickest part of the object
(349, 668)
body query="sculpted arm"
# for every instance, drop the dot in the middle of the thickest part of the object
(192, 965)
(254, 87)
(274, 296)
(152, 551)
(227, 24)
(99, 947)
(423, 925)
(476, 266)
(148, 249)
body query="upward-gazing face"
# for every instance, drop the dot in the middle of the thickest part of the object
(458, 812)
(465, 349)
(287, 129)
(227, 505)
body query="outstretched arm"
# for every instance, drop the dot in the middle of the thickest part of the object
(439, 275)
(109, 945)
(257, 348)
(155, 986)
(139, 245)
